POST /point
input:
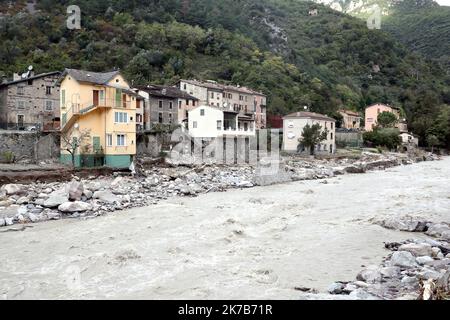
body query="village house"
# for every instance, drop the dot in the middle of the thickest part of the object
(211, 122)
(293, 125)
(242, 100)
(350, 119)
(101, 108)
(30, 102)
(166, 106)
(409, 140)
(372, 112)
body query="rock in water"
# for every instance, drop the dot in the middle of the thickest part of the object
(56, 198)
(417, 249)
(75, 190)
(371, 275)
(76, 206)
(403, 259)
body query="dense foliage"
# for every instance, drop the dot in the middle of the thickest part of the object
(312, 136)
(326, 62)
(383, 137)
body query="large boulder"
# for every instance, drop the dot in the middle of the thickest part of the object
(77, 206)
(403, 259)
(417, 249)
(12, 189)
(75, 190)
(438, 229)
(406, 223)
(56, 198)
(371, 274)
(105, 196)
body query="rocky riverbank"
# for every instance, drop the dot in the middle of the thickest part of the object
(95, 196)
(418, 269)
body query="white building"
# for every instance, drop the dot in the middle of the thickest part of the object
(409, 139)
(210, 122)
(293, 125)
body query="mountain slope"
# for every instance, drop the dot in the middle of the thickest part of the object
(327, 62)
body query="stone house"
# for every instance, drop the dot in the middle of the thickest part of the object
(351, 119)
(30, 102)
(245, 101)
(293, 125)
(164, 105)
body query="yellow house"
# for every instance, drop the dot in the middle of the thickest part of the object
(98, 119)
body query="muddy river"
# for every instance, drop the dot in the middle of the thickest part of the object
(257, 243)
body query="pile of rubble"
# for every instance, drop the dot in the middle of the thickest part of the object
(417, 268)
(86, 198)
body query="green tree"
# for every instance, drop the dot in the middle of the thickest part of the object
(432, 141)
(312, 136)
(383, 137)
(387, 119)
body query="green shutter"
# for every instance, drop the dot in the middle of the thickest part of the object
(96, 144)
(118, 97)
(63, 98)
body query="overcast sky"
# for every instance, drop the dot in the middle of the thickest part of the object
(443, 2)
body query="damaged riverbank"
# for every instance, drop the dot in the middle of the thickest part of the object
(95, 196)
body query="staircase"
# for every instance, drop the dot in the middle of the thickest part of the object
(73, 114)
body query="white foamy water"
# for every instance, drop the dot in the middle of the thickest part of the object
(257, 243)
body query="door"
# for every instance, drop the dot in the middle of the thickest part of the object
(20, 120)
(96, 98)
(96, 144)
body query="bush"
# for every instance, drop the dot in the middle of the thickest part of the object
(8, 157)
(389, 138)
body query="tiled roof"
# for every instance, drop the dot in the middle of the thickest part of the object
(91, 77)
(350, 113)
(42, 75)
(309, 115)
(166, 91)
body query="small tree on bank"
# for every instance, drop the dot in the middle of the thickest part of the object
(432, 141)
(312, 136)
(72, 143)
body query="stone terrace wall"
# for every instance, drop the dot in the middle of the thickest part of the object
(28, 147)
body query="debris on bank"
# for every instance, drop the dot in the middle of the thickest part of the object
(95, 196)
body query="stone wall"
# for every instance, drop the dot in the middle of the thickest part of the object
(29, 147)
(349, 139)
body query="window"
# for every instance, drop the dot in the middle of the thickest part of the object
(118, 97)
(170, 118)
(21, 105)
(109, 140)
(187, 102)
(160, 103)
(179, 104)
(121, 140)
(160, 117)
(212, 95)
(332, 125)
(202, 112)
(30, 82)
(331, 136)
(63, 98)
(193, 103)
(170, 105)
(48, 105)
(219, 125)
(20, 90)
(194, 124)
(121, 117)
(184, 86)
(48, 90)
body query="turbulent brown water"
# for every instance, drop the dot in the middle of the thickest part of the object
(257, 243)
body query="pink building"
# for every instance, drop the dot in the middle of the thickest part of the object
(373, 111)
